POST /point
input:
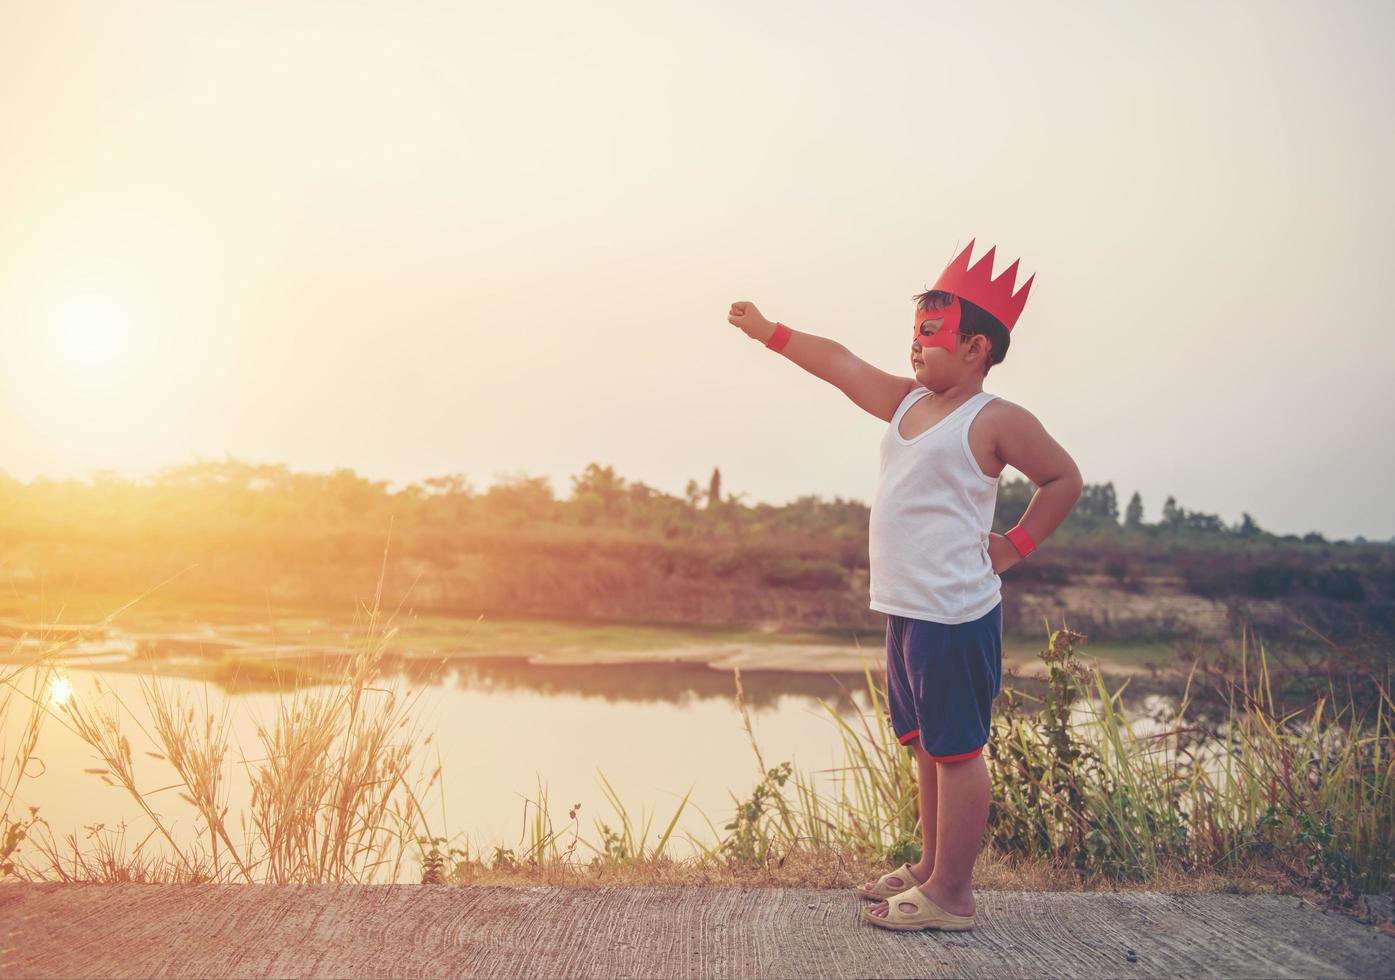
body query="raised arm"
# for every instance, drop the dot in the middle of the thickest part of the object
(870, 388)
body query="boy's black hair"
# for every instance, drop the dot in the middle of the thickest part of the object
(972, 320)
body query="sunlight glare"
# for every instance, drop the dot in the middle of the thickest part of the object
(89, 336)
(59, 691)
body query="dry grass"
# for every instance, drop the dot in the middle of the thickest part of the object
(105, 857)
(16, 760)
(332, 795)
(835, 870)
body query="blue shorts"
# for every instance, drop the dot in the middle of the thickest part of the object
(941, 681)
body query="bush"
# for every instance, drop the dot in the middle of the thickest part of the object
(1272, 581)
(1042, 572)
(799, 573)
(1381, 615)
(1207, 582)
(726, 563)
(1339, 583)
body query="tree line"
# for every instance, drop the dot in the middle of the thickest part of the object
(231, 490)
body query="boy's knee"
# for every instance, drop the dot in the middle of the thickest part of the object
(961, 758)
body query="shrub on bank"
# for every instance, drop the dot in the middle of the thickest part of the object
(799, 573)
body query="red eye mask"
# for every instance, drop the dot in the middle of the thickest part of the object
(948, 333)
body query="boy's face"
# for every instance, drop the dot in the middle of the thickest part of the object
(936, 349)
(938, 325)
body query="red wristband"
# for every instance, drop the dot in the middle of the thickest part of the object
(1021, 540)
(779, 338)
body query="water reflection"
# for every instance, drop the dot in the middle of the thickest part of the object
(238, 669)
(666, 682)
(239, 661)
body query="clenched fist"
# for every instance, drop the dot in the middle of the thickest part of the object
(745, 315)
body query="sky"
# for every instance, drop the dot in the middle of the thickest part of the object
(493, 239)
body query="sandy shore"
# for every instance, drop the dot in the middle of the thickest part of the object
(774, 656)
(188, 649)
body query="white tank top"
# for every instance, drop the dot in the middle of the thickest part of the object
(928, 531)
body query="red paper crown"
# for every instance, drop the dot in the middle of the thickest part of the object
(978, 287)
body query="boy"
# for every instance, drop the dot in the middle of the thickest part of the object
(934, 561)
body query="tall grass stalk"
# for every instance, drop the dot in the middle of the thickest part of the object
(15, 759)
(332, 795)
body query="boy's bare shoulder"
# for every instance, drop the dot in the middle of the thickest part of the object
(1020, 440)
(1002, 414)
(1003, 424)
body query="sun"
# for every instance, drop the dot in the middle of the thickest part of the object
(88, 336)
(59, 691)
(89, 351)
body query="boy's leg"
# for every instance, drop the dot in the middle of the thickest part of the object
(901, 701)
(928, 782)
(956, 671)
(963, 789)
(929, 812)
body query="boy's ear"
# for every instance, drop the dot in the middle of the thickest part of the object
(986, 349)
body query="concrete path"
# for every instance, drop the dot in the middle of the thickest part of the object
(53, 930)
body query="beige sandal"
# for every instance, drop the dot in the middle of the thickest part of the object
(922, 914)
(884, 889)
